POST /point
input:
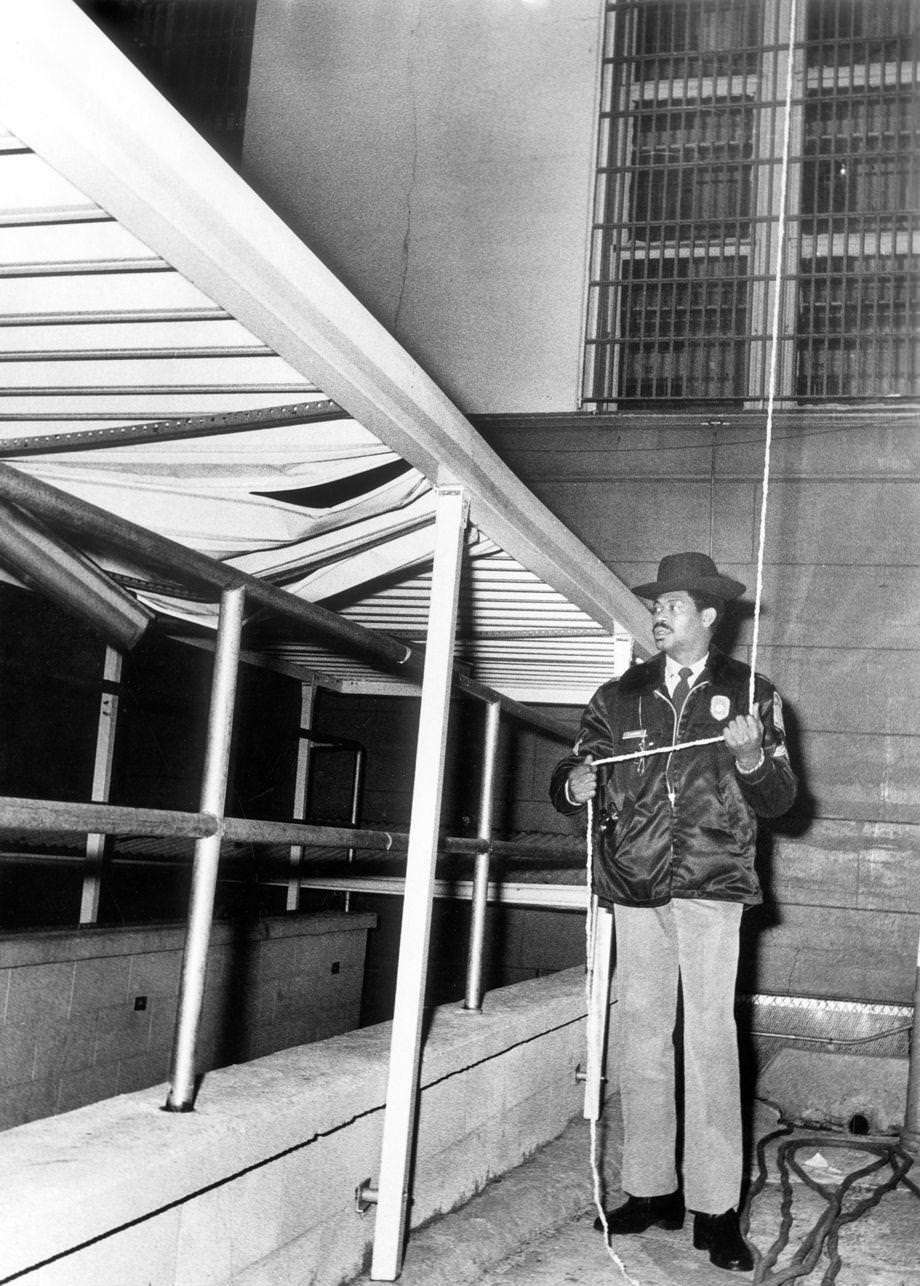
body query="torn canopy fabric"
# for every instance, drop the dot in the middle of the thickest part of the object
(255, 501)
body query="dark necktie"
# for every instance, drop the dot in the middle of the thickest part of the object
(681, 689)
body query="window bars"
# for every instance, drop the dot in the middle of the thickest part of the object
(685, 238)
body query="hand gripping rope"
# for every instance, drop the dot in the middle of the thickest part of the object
(595, 1014)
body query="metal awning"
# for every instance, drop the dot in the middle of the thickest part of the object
(173, 354)
(183, 371)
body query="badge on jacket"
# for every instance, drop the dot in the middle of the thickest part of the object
(720, 707)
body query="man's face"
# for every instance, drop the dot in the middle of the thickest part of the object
(680, 629)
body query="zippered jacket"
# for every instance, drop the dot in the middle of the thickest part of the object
(680, 824)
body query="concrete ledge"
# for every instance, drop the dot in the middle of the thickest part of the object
(263, 1173)
(44, 946)
(548, 1189)
(86, 1014)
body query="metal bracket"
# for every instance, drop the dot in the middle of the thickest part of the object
(581, 1077)
(365, 1196)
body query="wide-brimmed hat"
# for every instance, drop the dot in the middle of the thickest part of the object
(695, 573)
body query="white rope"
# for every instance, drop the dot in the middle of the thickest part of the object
(657, 750)
(774, 345)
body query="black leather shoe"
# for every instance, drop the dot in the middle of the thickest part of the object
(639, 1213)
(721, 1236)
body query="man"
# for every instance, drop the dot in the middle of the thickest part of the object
(675, 851)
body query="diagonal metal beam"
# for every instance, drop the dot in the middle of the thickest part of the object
(60, 82)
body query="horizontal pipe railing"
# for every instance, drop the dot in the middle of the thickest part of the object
(548, 897)
(247, 830)
(43, 815)
(103, 819)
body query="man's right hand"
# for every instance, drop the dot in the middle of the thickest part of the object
(582, 782)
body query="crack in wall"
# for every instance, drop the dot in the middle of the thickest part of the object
(413, 170)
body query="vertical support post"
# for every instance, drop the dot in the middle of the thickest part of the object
(357, 795)
(207, 851)
(910, 1134)
(301, 791)
(473, 1000)
(601, 938)
(102, 783)
(412, 969)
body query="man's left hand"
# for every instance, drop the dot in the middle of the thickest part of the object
(744, 738)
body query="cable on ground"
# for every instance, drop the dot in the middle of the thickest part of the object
(824, 1234)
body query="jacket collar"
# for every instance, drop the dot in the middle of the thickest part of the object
(650, 674)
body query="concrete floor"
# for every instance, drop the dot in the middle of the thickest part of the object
(533, 1227)
(881, 1248)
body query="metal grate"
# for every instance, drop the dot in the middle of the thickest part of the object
(832, 1026)
(686, 234)
(860, 196)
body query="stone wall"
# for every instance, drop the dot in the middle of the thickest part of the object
(89, 1013)
(837, 634)
(257, 1185)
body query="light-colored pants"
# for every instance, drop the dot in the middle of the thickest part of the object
(696, 942)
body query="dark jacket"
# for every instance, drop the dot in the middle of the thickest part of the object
(680, 824)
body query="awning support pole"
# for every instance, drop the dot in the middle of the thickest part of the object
(473, 1000)
(301, 790)
(102, 783)
(357, 801)
(412, 968)
(207, 852)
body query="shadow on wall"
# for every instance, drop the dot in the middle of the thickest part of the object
(795, 823)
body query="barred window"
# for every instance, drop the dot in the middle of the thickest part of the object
(692, 166)
(687, 217)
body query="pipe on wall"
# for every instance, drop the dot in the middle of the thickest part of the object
(45, 562)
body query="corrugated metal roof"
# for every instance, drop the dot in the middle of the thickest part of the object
(128, 384)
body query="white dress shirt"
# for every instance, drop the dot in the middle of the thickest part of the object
(673, 668)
